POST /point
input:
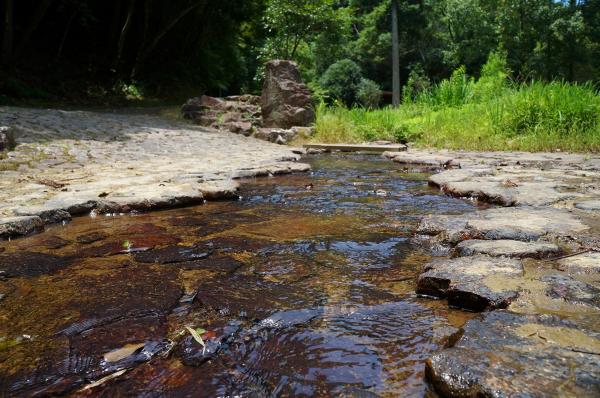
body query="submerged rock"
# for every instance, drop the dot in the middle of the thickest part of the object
(216, 339)
(462, 281)
(508, 248)
(91, 237)
(508, 355)
(175, 254)
(561, 286)
(31, 264)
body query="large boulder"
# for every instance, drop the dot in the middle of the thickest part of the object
(285, 100)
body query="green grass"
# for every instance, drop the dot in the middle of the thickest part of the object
(529, 117)
(490, 113)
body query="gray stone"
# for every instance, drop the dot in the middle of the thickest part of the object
(587, 263)
(462, 281)
(508, 248)
(11, 227)
(423, 159)
(589, 205)
(564, 287)
(523, 223)
(49, 214)
(509, 355)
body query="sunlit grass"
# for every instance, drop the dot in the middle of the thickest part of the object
(528, 117)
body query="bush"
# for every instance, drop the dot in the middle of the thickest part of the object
(369, 94)
(418, 83)
(342, 81)
(494, 77)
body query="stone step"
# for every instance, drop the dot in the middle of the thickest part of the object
(358, 147)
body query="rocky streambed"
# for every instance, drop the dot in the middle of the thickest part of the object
(531, 265)
(452, 274)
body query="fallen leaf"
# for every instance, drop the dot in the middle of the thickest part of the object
(123, 352)
(104, 380)
(197, 336)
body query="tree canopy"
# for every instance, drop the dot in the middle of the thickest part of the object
(218, 46)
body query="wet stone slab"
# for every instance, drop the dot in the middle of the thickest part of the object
(83, 327)
(566, 288)
(31, 264)
(175, 254)
(507, 248)
(505, 354)
(521, 223)
(462, 281)
(586, 263)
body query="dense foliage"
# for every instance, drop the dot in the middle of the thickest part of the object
(488, 113)
(94, 48)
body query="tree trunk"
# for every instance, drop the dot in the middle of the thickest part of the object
(395, 56)
(146, 50)
(7, 37)
(41, 10)
(123, 35)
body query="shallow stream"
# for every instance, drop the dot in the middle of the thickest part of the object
(304, 287)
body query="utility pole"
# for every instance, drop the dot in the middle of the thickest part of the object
(395, 56)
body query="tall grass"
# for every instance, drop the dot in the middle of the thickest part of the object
(488, 114)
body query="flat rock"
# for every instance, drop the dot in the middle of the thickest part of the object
(462, 281)
(31, 264)
(117, 162)
(19, 226)
(519, 223)
(587, 263)
(422, 159)
(524, 223)
(509, 355)
(507, 248)
(174, 254)
(372, 147)
(91, 237)
(49, 214)
(564, 287)
(590, 205)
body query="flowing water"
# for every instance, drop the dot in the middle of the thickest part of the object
(304, 287)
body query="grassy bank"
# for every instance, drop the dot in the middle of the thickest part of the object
(488, 114)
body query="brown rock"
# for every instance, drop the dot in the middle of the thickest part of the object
(285, 100)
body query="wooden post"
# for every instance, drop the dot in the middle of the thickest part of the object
(395, 56)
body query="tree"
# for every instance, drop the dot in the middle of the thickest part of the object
(290, 23)
(395, 56)
(342, 81)
(7, 37)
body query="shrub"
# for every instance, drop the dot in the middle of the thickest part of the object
(342, 80)
(494, 76)
(417, 83)
(453, 92)
(368, 94)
